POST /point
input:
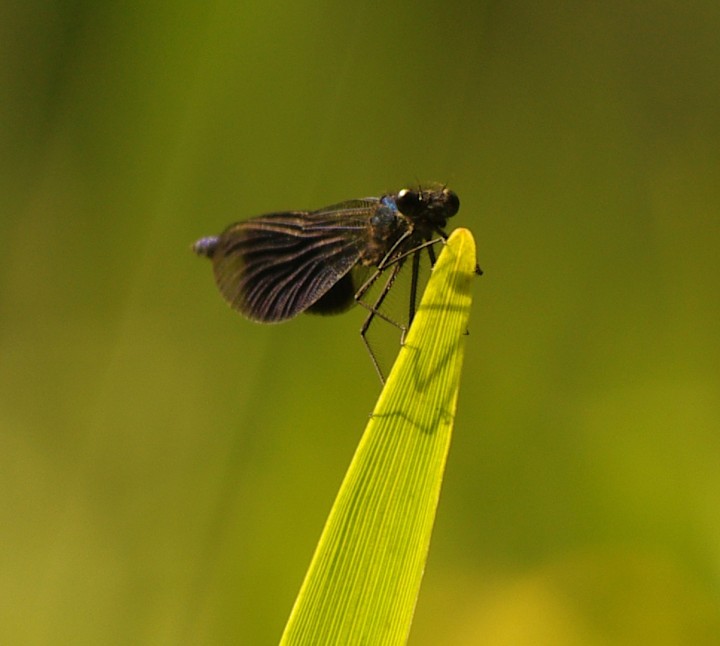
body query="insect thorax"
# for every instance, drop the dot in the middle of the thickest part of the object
(387, 225)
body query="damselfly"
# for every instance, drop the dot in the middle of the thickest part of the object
(272, 267)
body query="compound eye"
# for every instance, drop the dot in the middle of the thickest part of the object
(452, 202)
(408, 201)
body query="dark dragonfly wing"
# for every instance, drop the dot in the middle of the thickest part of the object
(273, 267)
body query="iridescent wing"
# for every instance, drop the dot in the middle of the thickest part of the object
(272, 267)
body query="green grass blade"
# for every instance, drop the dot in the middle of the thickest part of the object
(364, 579)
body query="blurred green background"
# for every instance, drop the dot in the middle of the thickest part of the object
(166, 466)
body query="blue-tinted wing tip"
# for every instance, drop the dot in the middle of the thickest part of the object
(206, 246)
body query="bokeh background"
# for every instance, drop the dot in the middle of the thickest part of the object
(166, 466)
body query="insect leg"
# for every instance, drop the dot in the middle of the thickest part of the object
(373, 311)
(413, 292)
(431, 253)
(388, 261)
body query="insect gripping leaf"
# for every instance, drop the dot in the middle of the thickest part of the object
(272, 267)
